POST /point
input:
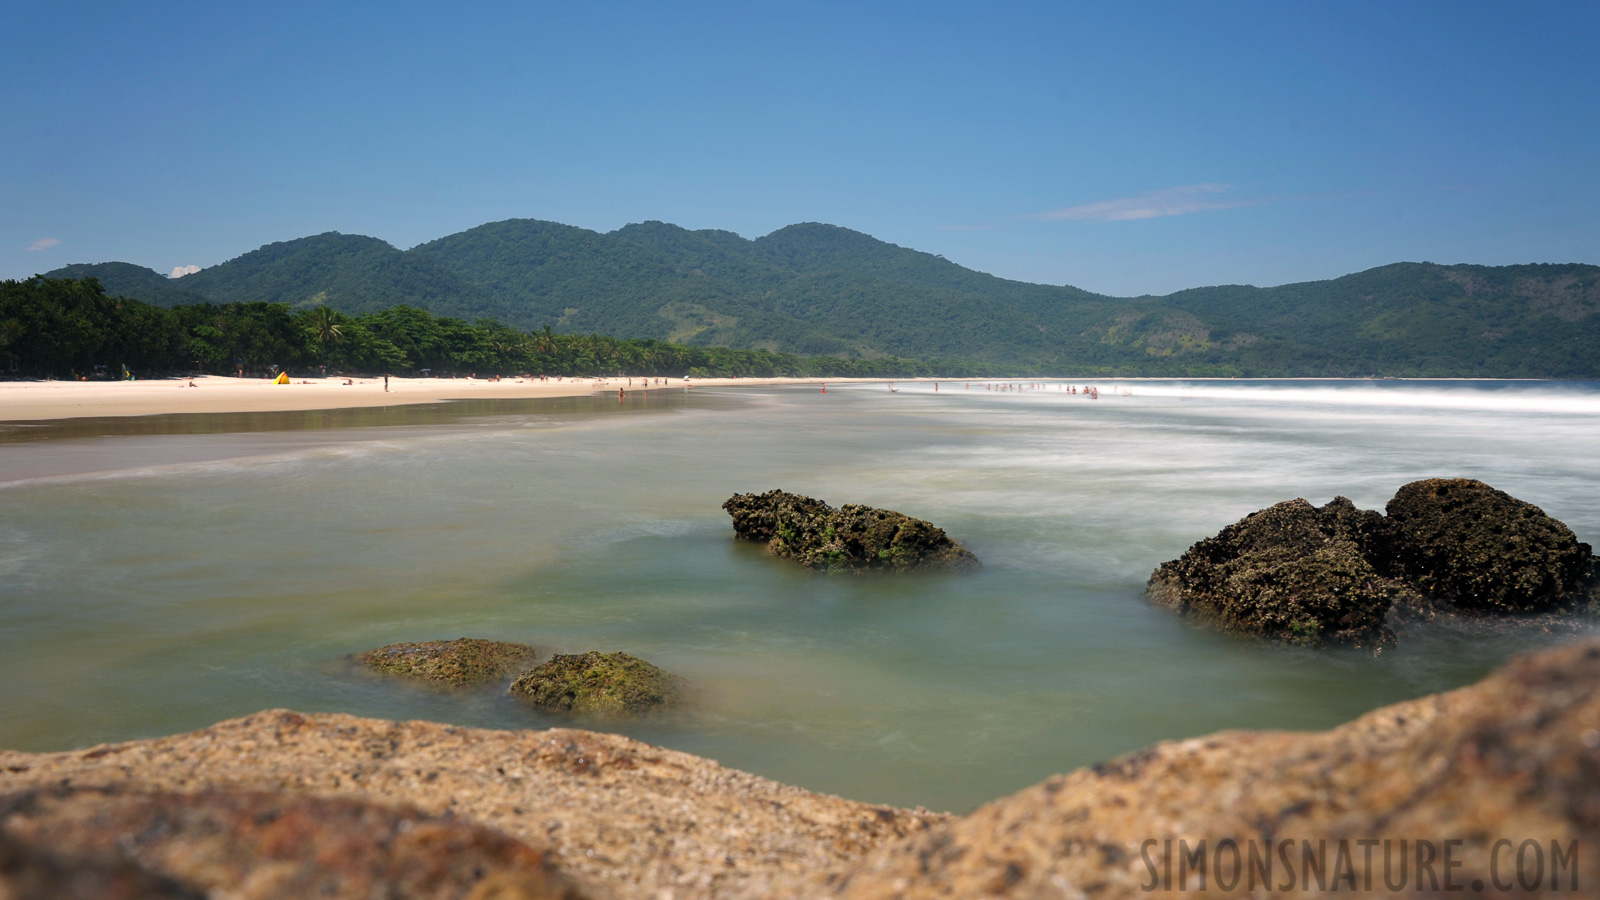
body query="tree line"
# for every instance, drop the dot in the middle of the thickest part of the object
(70, 328)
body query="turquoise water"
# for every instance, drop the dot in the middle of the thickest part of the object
(158, 577)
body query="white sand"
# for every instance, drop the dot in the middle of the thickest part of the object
(34, 400)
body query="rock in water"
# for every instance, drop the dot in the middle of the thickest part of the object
(1293, 571)
(756, 516)
(1449, 547)
(1465, 543)
(457, 663)
(852, 538)
(598, 684)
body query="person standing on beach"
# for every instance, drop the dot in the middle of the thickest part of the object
(386, 384)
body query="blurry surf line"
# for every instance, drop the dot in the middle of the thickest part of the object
(1444, 394)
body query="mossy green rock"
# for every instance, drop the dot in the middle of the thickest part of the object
(852, 538)
(598, 684)
(1477, 548)
(457, 663)
(1293, 572)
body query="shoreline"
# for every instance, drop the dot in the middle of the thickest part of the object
(40, 401)
(43, 401)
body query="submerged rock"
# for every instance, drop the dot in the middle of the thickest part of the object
(598, 684)
(1448, 548)
(1467, 544)
(849, 539)
(457, 663)
(1293, 571)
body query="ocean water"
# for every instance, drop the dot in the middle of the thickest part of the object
(161, 574)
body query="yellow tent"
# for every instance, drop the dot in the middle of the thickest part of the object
(283, 378)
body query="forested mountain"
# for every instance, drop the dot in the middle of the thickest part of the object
(128, 280)
(819, 289)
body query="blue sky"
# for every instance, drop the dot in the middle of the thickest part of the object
(1125, 148)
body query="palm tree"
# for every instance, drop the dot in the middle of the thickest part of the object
(327, 328)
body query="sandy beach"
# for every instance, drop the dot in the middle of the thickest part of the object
(22, 401)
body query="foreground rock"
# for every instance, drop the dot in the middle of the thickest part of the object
(851, 538)
(249, 845)
(1333, 574)
(598, 684)
(1513, 759)
(619, 817)
(28, 871)
(457, 663)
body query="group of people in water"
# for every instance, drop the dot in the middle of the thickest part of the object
(1093, 393)
(1089, 391)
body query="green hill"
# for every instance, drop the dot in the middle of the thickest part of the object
(348, 272)
(122, 279)
(820, 289)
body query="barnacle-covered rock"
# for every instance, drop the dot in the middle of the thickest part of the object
(1293, 571)
(849, 539)
(1477, 548)
(1449, 549)
(598, 684)
(457, 663)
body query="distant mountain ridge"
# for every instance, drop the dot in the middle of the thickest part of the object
(822, 289)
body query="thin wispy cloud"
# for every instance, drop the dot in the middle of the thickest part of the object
(180, 271)
(1175, 201)
(43, 244)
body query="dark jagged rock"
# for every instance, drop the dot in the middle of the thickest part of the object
(598, 684)
(111, 843)
(457, 663)
(852, 538)
(1293, 571)
(1477, 548)
(1449, 549)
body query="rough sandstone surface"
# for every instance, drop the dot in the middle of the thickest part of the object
(1333, 574)
(607, 685)
(620, 817)
(457, 663)
(852, 538)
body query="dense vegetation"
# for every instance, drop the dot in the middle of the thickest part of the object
(69, 328)
(822, 290)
